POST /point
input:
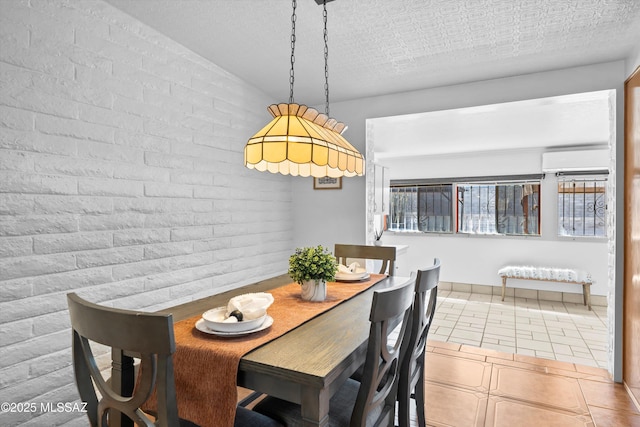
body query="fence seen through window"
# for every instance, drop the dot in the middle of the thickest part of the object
(582, 206)
(426, 208)
(501, 207)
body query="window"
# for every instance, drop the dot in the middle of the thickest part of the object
(582, 205)
(403, 209)
(499, 208)
(426, 208)
(486, 205)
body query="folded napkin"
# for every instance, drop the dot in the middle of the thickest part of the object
(252, 306)
(354, 267)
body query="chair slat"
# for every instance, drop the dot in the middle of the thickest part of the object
(387, 254)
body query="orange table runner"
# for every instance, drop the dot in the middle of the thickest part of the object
(206, 366)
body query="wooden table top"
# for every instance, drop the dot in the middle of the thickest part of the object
(309, 363)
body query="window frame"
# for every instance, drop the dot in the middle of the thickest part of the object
(591, 176)
(454, 184)
(495, 204)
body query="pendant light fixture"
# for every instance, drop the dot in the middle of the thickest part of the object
(300, 141)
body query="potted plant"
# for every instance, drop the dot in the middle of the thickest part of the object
(312, 267)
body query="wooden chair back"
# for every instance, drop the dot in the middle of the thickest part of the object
(375, 402)
(387, 254)
(412, 371)
(149, 336)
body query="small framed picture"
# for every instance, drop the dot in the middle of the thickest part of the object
(327, 183)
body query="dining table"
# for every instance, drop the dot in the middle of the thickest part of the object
(306, 364)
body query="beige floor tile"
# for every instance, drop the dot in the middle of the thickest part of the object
(562, 339)
(470, 335)
(603, 417)
(555, 330)
(594, 336)
(526, 351)
(540, 336)
(444, 323)
(545, 355)
(524, 335)
(534, 345)
(450, 406)
(531, 327)
(520, 391)
(506, 412)
(498, 347)
(600, 356)
(501, 338)
(467, 341)
(458, 372)
(501, 330)
(596, 345)
(578, 360)
(436, 330)
(562, 349)
(437, 337)
(538, 388)
(607, 395)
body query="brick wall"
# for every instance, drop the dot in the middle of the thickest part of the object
(121, 178)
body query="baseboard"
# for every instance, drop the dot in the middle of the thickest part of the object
(597, 300)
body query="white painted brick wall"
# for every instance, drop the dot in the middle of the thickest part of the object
(121, 178)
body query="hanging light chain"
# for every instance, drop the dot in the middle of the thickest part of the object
(293, 49)
(326, 57)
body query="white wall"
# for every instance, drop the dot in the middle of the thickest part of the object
(633, 61)
(121, 178)
(349, 204)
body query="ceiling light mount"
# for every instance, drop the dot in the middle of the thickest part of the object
(300, 141)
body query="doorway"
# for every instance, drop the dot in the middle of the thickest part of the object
(493, 140)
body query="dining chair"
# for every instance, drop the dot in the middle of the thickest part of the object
(411, 383)
(387, 254)
(148, 336)
(372, 401)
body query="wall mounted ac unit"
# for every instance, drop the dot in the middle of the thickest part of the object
(583, 160)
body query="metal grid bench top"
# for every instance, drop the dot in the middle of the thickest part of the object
(545, 273)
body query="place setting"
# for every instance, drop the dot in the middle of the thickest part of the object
(243, 315)
(351, 273)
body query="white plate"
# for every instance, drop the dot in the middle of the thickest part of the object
(213, 319)
(200, 325)
(352, 277)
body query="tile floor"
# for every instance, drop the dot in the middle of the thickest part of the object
(561, 331)
(468, 386)
(520, 363)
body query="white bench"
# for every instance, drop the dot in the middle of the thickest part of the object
(548, 274)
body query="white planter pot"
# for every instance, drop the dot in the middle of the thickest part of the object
(313, 290)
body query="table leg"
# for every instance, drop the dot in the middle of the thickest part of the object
(504, 286)
(586, 292)
(314, 405)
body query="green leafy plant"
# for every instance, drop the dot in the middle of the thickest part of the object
(312, 263)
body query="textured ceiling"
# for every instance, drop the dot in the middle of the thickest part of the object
(385, 46)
